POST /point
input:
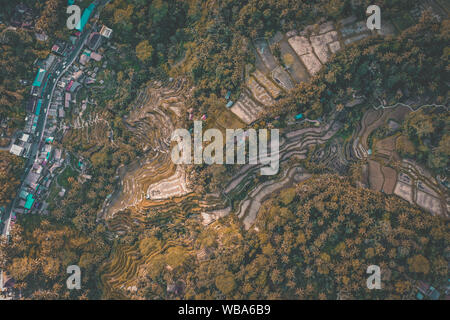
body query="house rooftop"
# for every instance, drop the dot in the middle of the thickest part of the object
(39, 77)
(85, 17)
(30, 201)
(25, 137)
(16, 150)
(105, 31)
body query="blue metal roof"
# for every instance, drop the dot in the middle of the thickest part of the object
(434, 294)
(29, 202)
(39, 77)
(85, 17)
(38, 107)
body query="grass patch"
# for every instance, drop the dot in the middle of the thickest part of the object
(65, 175)
(228, 120)
(403, 22)
(53, 194)
(30, 222)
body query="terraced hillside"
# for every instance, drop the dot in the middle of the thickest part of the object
(246, 195)
(89, 130)
(153, 190)
(155, 193)
(300, 55)
(242, 195)
(386, 171)
(154, 178)
(156, 114)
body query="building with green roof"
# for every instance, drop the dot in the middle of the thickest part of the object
(38, 107)
(29, 202)
(39, 77)
(85, 17)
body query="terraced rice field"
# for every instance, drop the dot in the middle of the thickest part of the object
(154, 117)
(154, 191)
(389, 173)
(174, 186)
(303, 54)
(373, 119)
(246, 108)
(293, 144)
(273, 90)
(386, 147)
(259, 92)
(121, 274)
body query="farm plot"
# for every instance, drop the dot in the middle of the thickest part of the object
(428, 202)
(246, 109)
(390, 178)
(375, 176)
(300, 45)
(292, 62)
(386, 146)
(375, 118)
(282, 78)
(335, 46)
(404, 191)
(311, 62)
(320, 45)
(326, 27)
(273, 90)
(263, 49)
(174, 186)
(228, 120)
(259, 92)
(259, 64)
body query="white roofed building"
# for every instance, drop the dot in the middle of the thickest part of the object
(16, 150)
(106, 32)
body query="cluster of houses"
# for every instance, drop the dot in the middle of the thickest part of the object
(34, 107)
(22, 146)
(46, 159)
(50, 158)
(76, 76)
(38, 181)
(425, 291)
(37, 144)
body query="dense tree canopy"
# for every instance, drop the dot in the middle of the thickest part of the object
(428, 129)
(11, 168)
(39, 253)
(315, 241)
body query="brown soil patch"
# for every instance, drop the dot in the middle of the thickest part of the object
(390, 178)
(375, 175)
